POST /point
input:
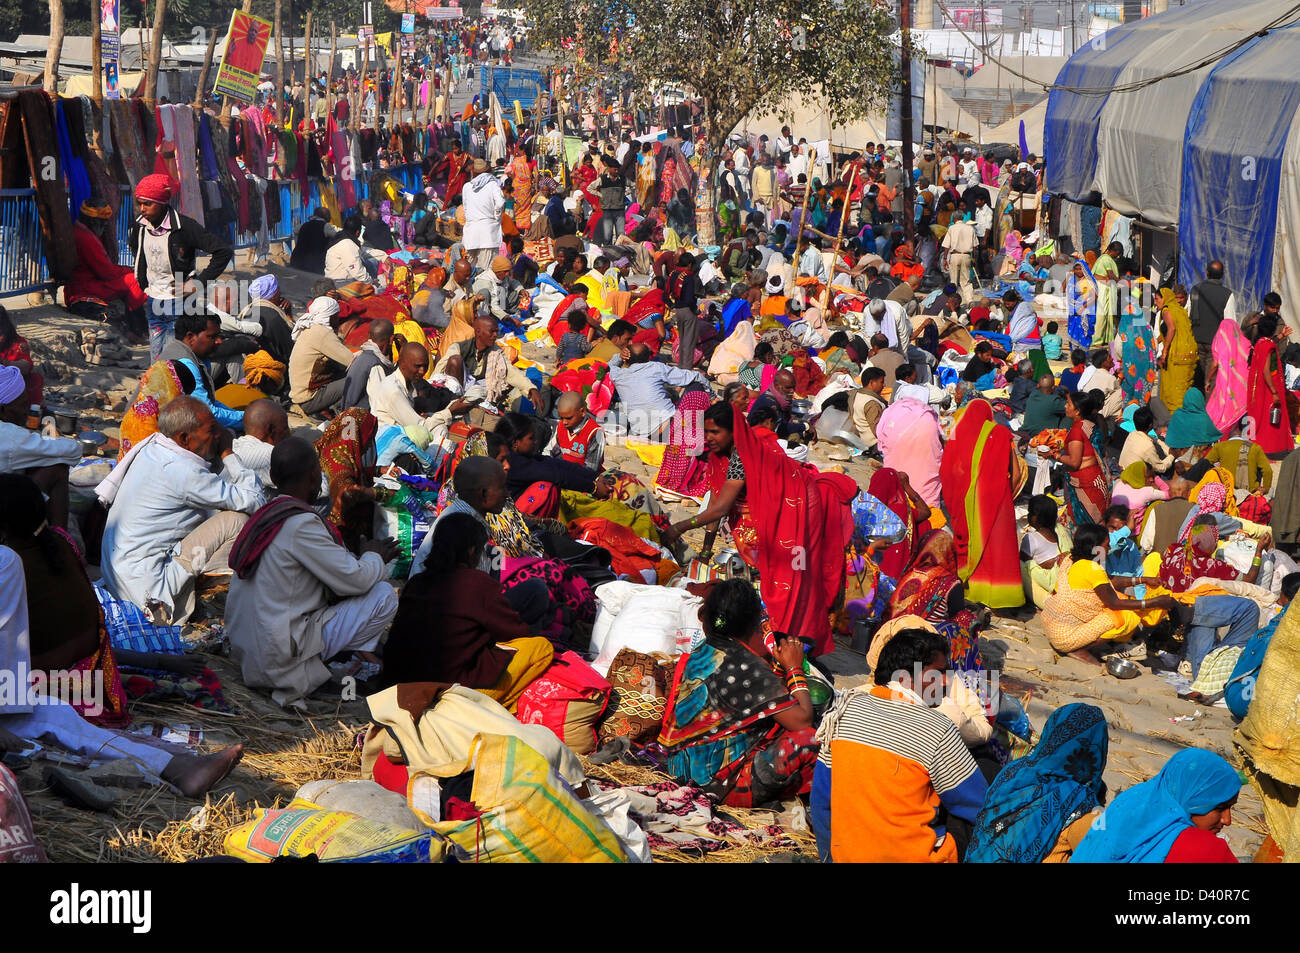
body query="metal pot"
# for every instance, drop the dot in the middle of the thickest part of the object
(1122, 667)
(801, 407)
(65, 418)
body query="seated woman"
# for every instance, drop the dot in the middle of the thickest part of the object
(1041, 806)
(1191, 432)
(347, 458)
(1086, 614)
(15, 353)
(1174, 818)
(479, 640)
(793, 505)
(526, 464)
(757, 374)
(66, 622)
(1136, 488)
(1045, 545)
(739, 718)
(1087, 486)
(931, 589)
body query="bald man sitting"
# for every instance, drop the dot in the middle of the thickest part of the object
(392, 401)
(375, 353)
(779, 397)
(265, 425)
(299, 597)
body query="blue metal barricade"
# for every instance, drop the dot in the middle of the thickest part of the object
(22, 247)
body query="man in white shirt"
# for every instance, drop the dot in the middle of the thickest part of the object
(159, 536)
(392, 401)
(344, 261)
(798, 164)
(890, 319)
(44, 459)
(299, 597)
(265, 425)
(784, 145)
(484, 203)
(501, 292)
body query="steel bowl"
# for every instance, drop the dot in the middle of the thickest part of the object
(801, 407)
(1122, 667)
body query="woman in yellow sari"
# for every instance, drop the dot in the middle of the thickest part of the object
(645, 176)
(1179, 353)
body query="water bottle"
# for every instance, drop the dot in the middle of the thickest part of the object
(1275, 415)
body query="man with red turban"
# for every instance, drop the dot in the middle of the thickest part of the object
(164, 243)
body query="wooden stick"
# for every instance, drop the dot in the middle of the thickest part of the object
(361, 87)
(155, 54)
(245, 7)
(306, 69)
(279, 67)
(329, 79)
(839, 237)
(96, 62)
(807, 194)
(207, 68)
(396, 90)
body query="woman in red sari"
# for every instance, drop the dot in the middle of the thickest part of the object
(894, 489)
(980, 477)
(1268, 391)
(793, 528)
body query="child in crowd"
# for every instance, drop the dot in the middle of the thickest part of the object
(578, 438)
(1052, 343)
(573, 343)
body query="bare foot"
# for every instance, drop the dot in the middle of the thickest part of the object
(1083, 655)
(195, 775)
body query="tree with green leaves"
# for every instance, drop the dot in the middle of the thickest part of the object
(740, 57)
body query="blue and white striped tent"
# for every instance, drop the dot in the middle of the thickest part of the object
(1214, 152)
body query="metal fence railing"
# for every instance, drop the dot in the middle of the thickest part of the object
(23, 264)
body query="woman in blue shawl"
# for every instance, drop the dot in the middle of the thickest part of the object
(1174, 817)
(1040, 806)
(1081, 301)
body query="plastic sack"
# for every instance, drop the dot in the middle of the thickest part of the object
(18, 844)
(642, 618)
(362, 798)
(304, 828)
(569, 698)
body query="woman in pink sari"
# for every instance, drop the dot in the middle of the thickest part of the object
(911, 442)
(1228, 383)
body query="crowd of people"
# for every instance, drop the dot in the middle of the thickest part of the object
(1001, 427)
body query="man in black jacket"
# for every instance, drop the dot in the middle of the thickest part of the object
(164, 243)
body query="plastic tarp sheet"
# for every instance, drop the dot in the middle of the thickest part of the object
(1237, 134)
(1071, 127)
(1141, 133)
(1286, 244)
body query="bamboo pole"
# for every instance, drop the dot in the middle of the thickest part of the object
(96, 62)
(54, 48)
(207, 68)
(329, 76)
(306, 69)
(839, 238)
(279, 67)
(155, 54)
(395, 91)
(807, 194)
(361, 84)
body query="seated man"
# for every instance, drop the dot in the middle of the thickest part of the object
(868, 403)
(54, 721)
(197, 337)
(312, 243)
(480, 485)
(44, 459)
(273, 313)
(610, 348)
(392, 401)
(486, 364)
(375, 353)
(319, 360)
(345, 261)
(159, 536)
(1044, 408)
(1242, 457)
(522, 267)
(1139, 445)
(643, 387)
(779, 397)
(578, 438)
(459, 285)
(96, 282)
(1098, 376)
(894, 767)
(981, 364)
(299, 597)
(500, 291)
(265, 425)
(1181, 566)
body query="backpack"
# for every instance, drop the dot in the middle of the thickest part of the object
(569, 698)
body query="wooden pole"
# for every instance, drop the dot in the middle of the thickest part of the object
(361, 84)
(839, 238)
(96, 61)
(207, 68)
(155, 54)
(329, 77)
(905, 62)
(307, 69)
(54, 48)
(396, 90)
(279, 67)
